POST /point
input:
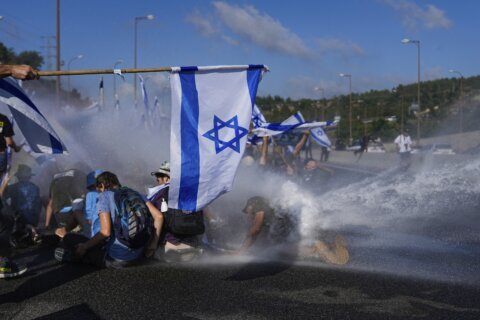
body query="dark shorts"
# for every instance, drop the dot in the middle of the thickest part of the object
(94, 256)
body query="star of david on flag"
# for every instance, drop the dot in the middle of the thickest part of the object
(214, 134)
(211, 114)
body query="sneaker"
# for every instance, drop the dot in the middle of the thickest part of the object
(9, 269)
(63, 255)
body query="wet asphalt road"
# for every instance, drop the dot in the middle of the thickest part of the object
(221, 290)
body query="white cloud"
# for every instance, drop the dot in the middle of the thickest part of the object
(343, 47)
(431, 17)
(207, 29)
(261, 29)
(201, 24)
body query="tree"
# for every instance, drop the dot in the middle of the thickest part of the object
(32, 58)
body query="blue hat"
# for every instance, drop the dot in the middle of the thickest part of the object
(92, 176)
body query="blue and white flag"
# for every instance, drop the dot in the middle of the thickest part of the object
(211, 113)
(144, 94)
(257, 118)
(35, 128)
(320, 137)
(272, 129)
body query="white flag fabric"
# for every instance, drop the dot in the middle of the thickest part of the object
(320, 137)
(35, 128)
(211, 113)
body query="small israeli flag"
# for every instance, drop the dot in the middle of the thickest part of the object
(320, 137)
(35, 128)
(211, 113)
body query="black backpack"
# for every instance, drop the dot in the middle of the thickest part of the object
(133, 224)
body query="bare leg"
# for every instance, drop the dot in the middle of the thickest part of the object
(338, 254)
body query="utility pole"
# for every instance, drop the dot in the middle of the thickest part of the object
(57, 85)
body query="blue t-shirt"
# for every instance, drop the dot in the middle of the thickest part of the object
(115, 249)
(91, 212)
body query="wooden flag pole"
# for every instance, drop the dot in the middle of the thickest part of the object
(100, 71)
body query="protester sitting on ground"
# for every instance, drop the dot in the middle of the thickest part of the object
(65, 201)
(24, 196)
(171, 240)
(314, 175)
(89, 222)
(128, 226)
(8, 268)
(269, 228)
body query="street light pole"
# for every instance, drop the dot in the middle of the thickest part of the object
(417, 43)
(137, 19)
(461, 98)
(115, 96)
(80, 56)
(349, 76)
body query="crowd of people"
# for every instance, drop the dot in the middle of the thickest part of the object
(90, 218)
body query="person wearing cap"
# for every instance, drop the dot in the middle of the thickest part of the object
(24, 196)
(269, 229)
(158, 194)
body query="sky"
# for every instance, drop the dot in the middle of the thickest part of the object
(305, 43)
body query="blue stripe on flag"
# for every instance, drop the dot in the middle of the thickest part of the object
(190, 166)
(56, 145)
(253, 78)
(7, 86)
(188, 68)
(299, 117)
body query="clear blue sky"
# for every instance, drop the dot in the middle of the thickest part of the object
(306, 43)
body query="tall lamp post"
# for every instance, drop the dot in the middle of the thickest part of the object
(349, 76)
(137, 19)
(115, 95)
(417, 43)
(80, 56)
(461, 97)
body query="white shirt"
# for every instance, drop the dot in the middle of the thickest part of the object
(404, 143)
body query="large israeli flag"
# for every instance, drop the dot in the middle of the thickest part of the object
(211, 113)
(35, 128)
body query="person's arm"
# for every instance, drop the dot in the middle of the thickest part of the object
(264, 152)
(21, 72)
(48, 212)
(104, 233)
(158, 224)
(252, 234)
(300, 144)
(4, 184)
(11, 143)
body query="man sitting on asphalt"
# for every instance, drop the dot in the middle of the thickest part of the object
(269, 228)
(110, 246)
